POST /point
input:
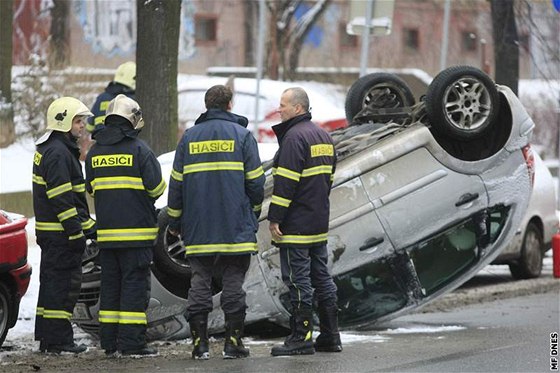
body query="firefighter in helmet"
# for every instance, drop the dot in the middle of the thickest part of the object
(62, 223)
(124, 82)
(124, 177)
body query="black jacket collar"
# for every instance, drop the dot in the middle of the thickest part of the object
(222, 115)
(281, 128)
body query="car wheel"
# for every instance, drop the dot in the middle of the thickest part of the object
(169, 252)
(530, 263)
(376, 91)
(5, 309)
(462, 102)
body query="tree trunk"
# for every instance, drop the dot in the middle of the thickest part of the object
(250, 9)
(60, 34)
(506, 49)
(156, 71)
(7, 128)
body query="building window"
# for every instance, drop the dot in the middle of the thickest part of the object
(346, 41)
(411, 38)
(205, 29)
(468, 41)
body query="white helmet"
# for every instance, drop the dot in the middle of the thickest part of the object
(61, 113)
(126, 75)
(127, 108)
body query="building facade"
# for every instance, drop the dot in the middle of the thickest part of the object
(223, 33)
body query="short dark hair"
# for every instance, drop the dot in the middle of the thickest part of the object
(218, 97)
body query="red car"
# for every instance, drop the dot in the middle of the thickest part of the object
(15, 272)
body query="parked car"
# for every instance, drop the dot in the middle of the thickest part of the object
(15, 271)
(533, 238)
(424, 196)
(327, 110)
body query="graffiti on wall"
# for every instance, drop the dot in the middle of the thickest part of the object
(110, 26)
(32, 22)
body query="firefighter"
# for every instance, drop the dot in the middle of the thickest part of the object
(124, 82)
(299, 220)
(62, 223)
(215, 194)
(124, 177)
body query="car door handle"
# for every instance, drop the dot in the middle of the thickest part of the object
(374, 241)
(466, 198)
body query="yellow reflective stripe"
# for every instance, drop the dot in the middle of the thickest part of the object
(281, 171)
(257, 207)
(66, 187)
(176, 175)
(48, 226)
(78, 188)
(332, 177)
(90, 127)
(274, 171)
(316, 171)
(212, 166)
(39, 180)
(56, 314)
(174, 213)
(88, 224)
(109, 317)
(67, 214)
(76, 236)
(221, 248)
(157, 191)
(254, 174)
(132, 318)
(117, 182)
(280, 201)
(302, 239)
(126, 234)
(99, 120)
(39, 311)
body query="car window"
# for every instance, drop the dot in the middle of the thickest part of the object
(445, 256)
(368, 292)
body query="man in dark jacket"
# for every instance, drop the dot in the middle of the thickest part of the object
(62, 223)
(215, 195)
(124, 83)
(124, 177)
(299, 221)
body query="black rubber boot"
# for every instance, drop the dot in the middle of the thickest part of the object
(143, 351)
(292, 329)
(300, 342)
(233, 345)
(71, 348)
(199, 330)
(329, 339)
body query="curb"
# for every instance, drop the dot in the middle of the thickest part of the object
(488, 293)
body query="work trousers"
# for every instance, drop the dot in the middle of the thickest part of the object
(125, 294)
(232, 268)
(305, 269)
(60, 281)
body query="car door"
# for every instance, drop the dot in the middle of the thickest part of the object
(417, 196)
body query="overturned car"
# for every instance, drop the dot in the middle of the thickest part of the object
(424, 195)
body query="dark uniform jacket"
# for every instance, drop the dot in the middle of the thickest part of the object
(59, 199)
(124, 177)
(99, 108)
(216, 186)
(303, 170)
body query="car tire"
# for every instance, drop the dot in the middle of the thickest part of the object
(462, 103)
(169, 251)
(6, 307)
(379, 90)
(529, 264)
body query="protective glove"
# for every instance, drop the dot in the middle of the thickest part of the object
(78, 245)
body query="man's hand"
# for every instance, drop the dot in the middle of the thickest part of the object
(275, 231)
